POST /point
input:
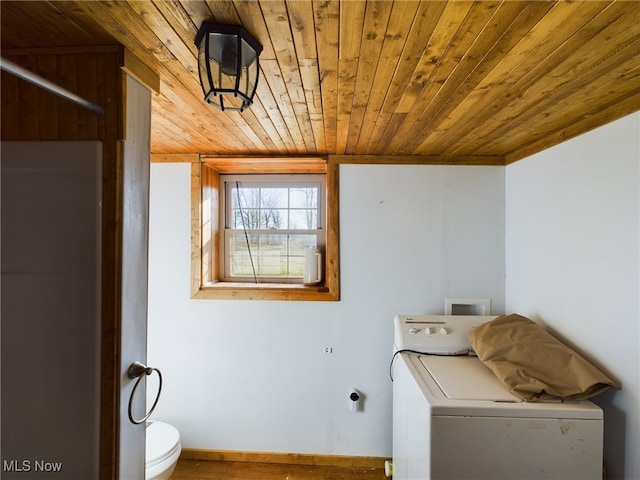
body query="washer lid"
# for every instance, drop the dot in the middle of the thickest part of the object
(466, 378)
(162, 439)
(463, 386)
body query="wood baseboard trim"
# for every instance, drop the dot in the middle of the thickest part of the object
(285, 458)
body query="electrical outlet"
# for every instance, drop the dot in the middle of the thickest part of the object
(328, 349)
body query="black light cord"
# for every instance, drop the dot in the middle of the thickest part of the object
(246, 237)
(417, 352)
(393, 359)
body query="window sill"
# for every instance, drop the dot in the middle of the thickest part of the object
(264, 291)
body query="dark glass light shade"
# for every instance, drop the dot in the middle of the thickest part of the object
(228, 65)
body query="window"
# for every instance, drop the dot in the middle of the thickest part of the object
(269, 222)
(250, 230)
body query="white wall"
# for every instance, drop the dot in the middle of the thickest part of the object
(253, 376)
(572, 256)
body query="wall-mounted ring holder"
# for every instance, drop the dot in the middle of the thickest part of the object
(139, 371)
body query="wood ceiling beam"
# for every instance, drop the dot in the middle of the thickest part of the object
(475, 160)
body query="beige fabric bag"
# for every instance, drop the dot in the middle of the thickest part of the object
(532, 364)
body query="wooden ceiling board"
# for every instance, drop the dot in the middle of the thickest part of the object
(450, 73)
(326, 20)
(469, 73)
(507, 102)
(546, 102)
(496, 87)
(349, 44)
(303, 29)
(443, 81)
(31, 27)
(376, 21)
(291, 91)
(577, 127)
(421, 30)
(402, 14)
(274, 122)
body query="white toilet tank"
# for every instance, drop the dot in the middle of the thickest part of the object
(162, 450)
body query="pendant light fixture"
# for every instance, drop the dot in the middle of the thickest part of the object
(228, 65)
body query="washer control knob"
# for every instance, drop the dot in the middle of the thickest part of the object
(413, 330)
(428, 330)
(443, 331)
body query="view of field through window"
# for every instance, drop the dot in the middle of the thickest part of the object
(269, 227)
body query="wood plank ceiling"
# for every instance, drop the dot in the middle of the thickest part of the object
(462, 81)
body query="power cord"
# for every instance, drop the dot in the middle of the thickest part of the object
(417, 352)
(246, 237)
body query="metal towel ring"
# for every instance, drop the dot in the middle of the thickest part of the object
(139, 371)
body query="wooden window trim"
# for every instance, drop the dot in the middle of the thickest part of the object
(205, 198)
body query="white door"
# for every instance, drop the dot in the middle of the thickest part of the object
(51, 312)
(135, 231)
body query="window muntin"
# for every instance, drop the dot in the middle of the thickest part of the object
(269, 221)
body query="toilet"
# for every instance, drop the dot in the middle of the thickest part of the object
(162, 450)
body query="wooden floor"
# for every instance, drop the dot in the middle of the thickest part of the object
(214, 470)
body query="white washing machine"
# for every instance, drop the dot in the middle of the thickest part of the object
(453, 418)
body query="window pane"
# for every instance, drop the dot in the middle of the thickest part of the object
(298, 243)
(304, 197)
(303, 220)
(249, 197)
(273, 245)
(239, 255)
(250, 218)
(260, 219)
(274, 218)
(274, 197)
(296, 267)
(270, 255)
